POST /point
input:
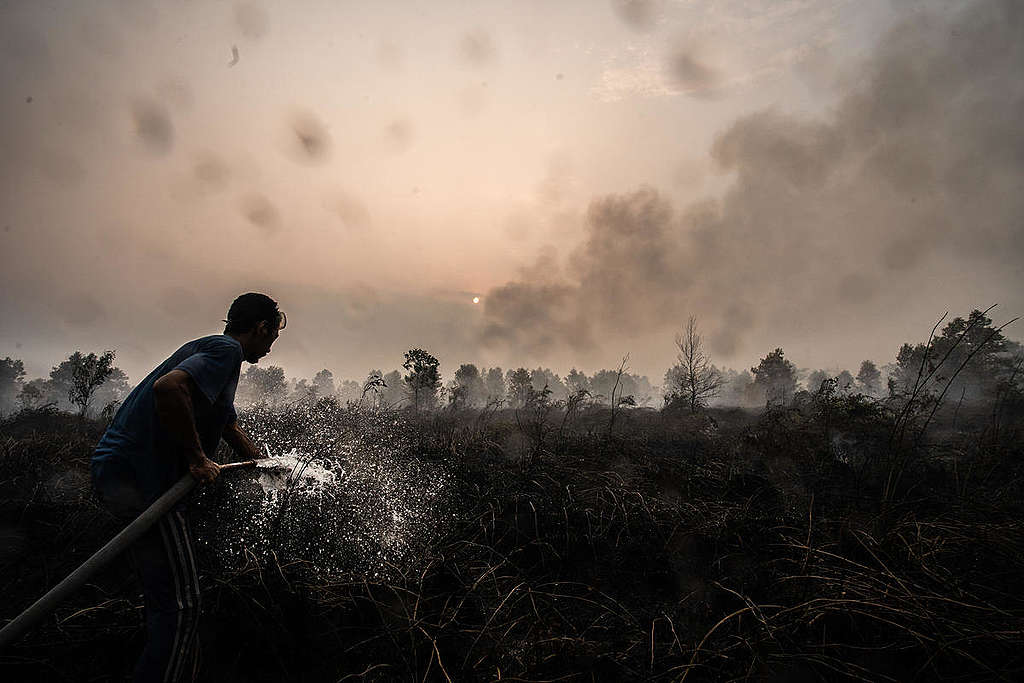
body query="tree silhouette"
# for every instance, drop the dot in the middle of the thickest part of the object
(373, 387)
(33, 394)
(302, 390)
(494, 385)
(262, 384)
(543, 377)
(323, 383)
(604, 383)
(81, 375)
(775, 377)
(12, 372)
(577, 381)
(519, 386)
(969, 357)
(695, 379)
(110, 394)
(869, 378)
(393, 392)
(422, 379)
(468, 388)
(844, 382)
(815, 379)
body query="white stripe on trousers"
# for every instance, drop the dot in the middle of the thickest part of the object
(186, 588)
(192, 639)
(171, 560)
(191, 575)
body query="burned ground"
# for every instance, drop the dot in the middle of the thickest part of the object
(820, 541)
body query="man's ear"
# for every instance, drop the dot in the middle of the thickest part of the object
(262, 328)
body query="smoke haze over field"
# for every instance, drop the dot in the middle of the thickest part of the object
(826, 177)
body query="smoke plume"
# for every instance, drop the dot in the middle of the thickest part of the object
(915, 175)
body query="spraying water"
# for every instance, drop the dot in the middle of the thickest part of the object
(295, 472)
(345, 493)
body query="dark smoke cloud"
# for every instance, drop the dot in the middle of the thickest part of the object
(534, 317)
(631, 252)
(916, 174)
(545, 270)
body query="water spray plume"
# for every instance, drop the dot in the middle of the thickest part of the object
(341, 490)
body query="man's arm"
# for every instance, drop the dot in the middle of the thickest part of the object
(240, 442)
(173, 395)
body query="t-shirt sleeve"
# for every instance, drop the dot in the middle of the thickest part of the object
(211, 369)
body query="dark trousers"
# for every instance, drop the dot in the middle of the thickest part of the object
(166, 567)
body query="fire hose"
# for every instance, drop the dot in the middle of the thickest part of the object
(25, 621)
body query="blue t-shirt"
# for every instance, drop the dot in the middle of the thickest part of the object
(137, 439)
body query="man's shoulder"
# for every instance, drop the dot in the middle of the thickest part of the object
(220, 342)
(225, 349)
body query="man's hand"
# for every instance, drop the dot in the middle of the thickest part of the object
(204, 470)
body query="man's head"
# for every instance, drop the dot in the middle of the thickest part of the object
(255, 321)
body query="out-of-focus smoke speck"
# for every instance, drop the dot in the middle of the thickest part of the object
(692, 72)
(476, 48)
(211, 173)
(252, 20)
(312, 142)
(639, 15)
(399, 134)
(153, 126)
(260, 212)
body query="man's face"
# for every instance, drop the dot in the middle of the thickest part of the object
(263, 338)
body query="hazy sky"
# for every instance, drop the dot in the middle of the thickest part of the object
(825, 176)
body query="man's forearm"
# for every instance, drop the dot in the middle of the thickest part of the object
(240, 442)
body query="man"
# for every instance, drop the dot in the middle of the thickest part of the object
(171, 424)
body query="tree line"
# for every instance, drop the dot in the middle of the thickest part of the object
(969, 359)
(420, 385)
